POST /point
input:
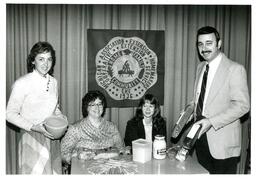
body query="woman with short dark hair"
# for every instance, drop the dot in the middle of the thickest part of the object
(34, 97)
(93, 132)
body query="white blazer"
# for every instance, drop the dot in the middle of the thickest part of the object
(227, 101)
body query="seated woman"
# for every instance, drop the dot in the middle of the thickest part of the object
(147, 122)
(93, 131)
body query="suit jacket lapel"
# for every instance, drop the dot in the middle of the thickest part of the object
(199, 72)
(141, 129)
(219, 79)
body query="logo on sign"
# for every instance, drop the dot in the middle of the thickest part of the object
(126, 68)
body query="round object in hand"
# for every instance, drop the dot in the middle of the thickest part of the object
(56, 126)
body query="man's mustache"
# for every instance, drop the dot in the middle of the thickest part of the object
(207, 51)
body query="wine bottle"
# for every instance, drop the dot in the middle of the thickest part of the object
(192, 136)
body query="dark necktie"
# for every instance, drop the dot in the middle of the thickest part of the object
(200, 103)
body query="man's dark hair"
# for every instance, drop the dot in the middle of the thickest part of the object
(208, 30)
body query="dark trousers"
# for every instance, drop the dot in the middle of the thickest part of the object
(214, 166)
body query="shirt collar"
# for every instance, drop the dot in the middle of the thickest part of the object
(216, 61)
(37, 75)
(144, 123)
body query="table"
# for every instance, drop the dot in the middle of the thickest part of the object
(165, 166)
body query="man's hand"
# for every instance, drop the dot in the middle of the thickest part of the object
(206, 125)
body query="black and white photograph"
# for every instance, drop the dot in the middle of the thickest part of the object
(127, 88)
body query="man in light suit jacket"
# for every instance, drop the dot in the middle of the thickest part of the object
(226, 99)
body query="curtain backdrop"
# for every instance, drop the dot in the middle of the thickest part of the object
(65, 27)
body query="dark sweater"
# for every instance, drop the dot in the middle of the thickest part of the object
(135, 130)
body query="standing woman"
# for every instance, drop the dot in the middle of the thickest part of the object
(147, 122)
(34, 97)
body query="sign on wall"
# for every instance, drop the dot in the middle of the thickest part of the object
(126, 64)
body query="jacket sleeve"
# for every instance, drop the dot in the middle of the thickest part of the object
(239, 99)
(118, 142)
(130, 133)
(14, 106)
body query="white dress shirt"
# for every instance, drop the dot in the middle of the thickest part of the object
(213, 66)
(148, 130)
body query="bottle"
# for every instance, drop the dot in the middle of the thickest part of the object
(192, 136)
(159, 147)
(188, 142)
(184, 118)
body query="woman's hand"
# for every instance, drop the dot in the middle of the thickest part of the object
(128, 150)
(41, 129)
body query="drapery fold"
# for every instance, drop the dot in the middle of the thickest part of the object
(65, 27)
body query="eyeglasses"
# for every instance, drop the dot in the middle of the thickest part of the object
(100, 105)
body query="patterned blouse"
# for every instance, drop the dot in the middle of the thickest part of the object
(84, 135)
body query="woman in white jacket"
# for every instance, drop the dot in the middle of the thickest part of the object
(34, 97)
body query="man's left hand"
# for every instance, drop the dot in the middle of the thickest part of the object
(206, 125)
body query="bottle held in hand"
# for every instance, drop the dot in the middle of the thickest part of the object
(192, 136)
(188, 142)
(184, 118)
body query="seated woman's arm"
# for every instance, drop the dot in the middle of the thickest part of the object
(118, 142)
(68, 143)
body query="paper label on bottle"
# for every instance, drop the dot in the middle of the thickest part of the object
(161, 151)
(193, 131)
